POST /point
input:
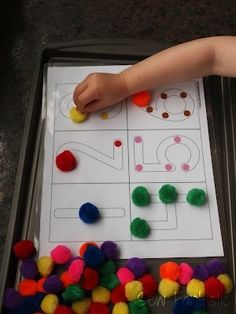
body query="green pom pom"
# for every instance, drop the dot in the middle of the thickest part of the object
(168, 194)
(141, 196)
(107, 268)
(196, 197)
(138, 307)
(109, 281)
(140, 228)
(73, 293)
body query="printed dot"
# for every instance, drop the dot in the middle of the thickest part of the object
(138, 139)
(185, 167)
(139, 167)
(183, 95)
(104, 115)
(168, 167)
(165, 115)
(187, 113)
(163, 95)
(118, 143)
(149, 109)
(177, 139)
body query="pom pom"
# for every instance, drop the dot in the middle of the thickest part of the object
(214, 288)
(149, 285)
(77, 116)
(100, 308)
(227, 282)
(168, 288)
(186, 273)
(141, 99)
(73, 293)
(133, 290)
(141, 196)
(53, 284)
(12, 299)
(215, 267)
(24, 249)
(81, 307)
(196, 197)
(88, 213)
(93, 257)
(125, 275)
(120, 308)
(195, 288)
(109, 281)
(49, 304)
(137, 266)
(66, 279)
(66, 161)
(201, 272)
(101, 295)
(29, 305)
(107, 267)
(40, 284)
(45, 265)
(140, 228)
(61, 254)
(90, 279)
(110, 250)
(76, 269)
(29, 268)
(118, 295)
(62, 309)
(138, 307)
(168, 194)
(170, 270)
(188, 305)
(27, 287)
(84, 247)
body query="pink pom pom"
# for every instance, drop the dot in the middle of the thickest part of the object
(125, 275)
(76, 269)
(61, 254)
(186, 273)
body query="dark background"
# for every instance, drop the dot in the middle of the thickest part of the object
(27, 26)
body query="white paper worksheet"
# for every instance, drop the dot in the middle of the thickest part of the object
(118, 149)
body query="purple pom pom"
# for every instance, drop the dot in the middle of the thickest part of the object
(201, 272)
(110, 249)
(53, 284)
(215, 267)
(137, 266)
(29, 268)
(12, 299)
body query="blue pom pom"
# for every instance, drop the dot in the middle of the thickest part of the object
(88, 213)
(187, 305)
(93, 257)
(30, 305)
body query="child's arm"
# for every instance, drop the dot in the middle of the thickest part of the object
(208, 56)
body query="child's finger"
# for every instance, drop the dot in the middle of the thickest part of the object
(80, 88)
(85, 98)
(93, 106)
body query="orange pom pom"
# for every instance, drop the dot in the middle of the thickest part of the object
(40, 284)
(141, 99)
(28, 287)
(67, 279)
(84, 247)
(170, 270)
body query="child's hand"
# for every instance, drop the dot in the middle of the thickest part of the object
(99, 90)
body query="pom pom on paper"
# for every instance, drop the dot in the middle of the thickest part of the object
(201, 272)
(215, 267)
(134, 290)
(62, 309)
(168, 288)
(170, 270)
(53, 284)
(27, 287)
(61, 254)
(77, 116)
(84, 247)
(196, 197)
(100, 308)
(12, 299)
(40, 284)
(196, 288)
(118, 295)
(214, 288)
(107, 267)
(109, 281)
(24, 249)
(90, 279)
(125, 275)
(137, 266)
(186, 273)
(227, 282)
(93, 257)
(141, 196)
(45, 265)
(150, 285)
(141, 99)
(168, 194)
(138, 307)
(49, 304)
(120, 308)
(66, 279)
(29, 268)
(101, 295)
(76, 269)
(66, 161)
(88, 213)
(110, 249)
(73, 293)
(140, 228)
(81, 307)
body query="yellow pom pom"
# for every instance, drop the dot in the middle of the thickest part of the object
(49, 304)
(45, 265)
(196, 288)
(134, 290)
(101, 295)
(168, 288)
(227, 282)
(120, 308)
(77, 116)
(81, 307)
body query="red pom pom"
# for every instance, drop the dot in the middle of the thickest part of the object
(214, 288)
(118, 294)
(40, 284)
(62, 309)
(141, 99)
(90, 279)
(66, 161)
(100, 308)
(24, 249)
(66, 279)
(28, 287)
(170, 270)
(149, 285)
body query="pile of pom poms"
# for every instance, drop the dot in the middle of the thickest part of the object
(89, 283)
